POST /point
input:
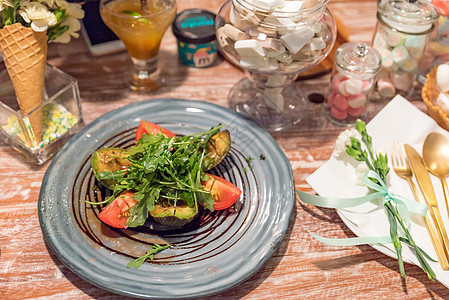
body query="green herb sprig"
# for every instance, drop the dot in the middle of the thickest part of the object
(379, 164)
(149, 255)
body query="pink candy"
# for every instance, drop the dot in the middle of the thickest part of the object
(348, 97)
(340, 102)
(338, 114)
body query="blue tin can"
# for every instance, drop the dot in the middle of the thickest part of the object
(195, 32)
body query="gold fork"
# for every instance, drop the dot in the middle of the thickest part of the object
(402, 168)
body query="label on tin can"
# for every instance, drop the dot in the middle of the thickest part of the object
(198, 55)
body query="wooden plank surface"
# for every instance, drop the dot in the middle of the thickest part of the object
(301, 268)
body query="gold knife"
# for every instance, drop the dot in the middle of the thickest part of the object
(425, 184)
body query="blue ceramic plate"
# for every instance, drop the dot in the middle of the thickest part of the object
(213, 253)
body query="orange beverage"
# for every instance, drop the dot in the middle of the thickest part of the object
(141, 30)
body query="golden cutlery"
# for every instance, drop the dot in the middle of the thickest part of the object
(425, 184)
(435, 154)
(402, 168)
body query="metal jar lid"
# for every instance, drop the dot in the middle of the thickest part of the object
(195, 26)
(358, 59)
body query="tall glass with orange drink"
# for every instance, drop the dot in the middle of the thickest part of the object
(140, 24)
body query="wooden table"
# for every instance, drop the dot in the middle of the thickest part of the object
(301, 267)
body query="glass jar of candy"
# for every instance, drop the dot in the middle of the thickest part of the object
(401, 35)
(437, 50)
(353, 77)
(273, 41)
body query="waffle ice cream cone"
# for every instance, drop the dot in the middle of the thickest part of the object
(429, 95)
(25, 54)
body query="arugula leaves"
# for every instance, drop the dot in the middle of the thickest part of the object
(149, 255)
(164, 170)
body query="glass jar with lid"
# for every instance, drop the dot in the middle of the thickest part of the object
(356, 65)
(437, 49)
(401, 35)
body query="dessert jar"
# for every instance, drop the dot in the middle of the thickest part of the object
(273, 41)
(437, 49)
(401, 35)
(353, 78)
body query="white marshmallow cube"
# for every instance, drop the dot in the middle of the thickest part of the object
(289, 10)
(268, 5)
(317, 44)
(296, 40)
(251, 48)
(273, 45)
(317, 28)
(442, 77)
(234, 33)
(289, 7)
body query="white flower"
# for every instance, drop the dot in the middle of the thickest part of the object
(54, 3)
(38, 15)
(74, 9)
(74, 25)
(345, 139)
(4, 4)
(359, 172)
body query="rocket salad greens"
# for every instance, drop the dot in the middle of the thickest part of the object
(163, 176)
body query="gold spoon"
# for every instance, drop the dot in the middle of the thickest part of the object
(435, 154)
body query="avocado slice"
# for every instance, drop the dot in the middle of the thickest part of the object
(217, 148)
(173, 216)
(110, 160)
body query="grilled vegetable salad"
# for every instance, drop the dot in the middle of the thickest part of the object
(164, 176)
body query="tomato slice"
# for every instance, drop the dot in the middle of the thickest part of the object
(146, 127)
(116, 213)
(224, 192)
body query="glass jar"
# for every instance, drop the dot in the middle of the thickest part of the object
(401, 35)
(273, 41)
(437, 50)
(353, 77)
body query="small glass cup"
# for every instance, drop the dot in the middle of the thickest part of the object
(356, 65)
(141, 29)
(401, 34)
(60, 114)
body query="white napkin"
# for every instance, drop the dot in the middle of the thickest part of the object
(399, 121)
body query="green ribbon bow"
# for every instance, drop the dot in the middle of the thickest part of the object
(404, 206)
